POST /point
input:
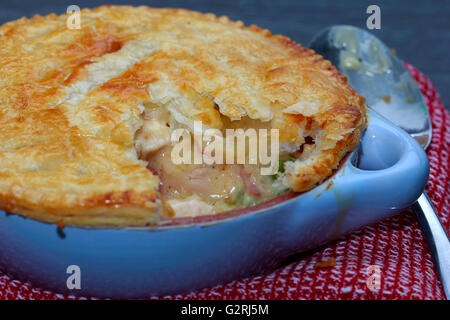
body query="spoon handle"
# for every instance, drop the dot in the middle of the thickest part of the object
(436, 237)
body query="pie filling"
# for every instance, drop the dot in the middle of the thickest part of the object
(189, 189)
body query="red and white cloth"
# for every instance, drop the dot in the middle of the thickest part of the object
(339, 271)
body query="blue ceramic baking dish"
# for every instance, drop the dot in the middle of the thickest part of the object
(390, 174)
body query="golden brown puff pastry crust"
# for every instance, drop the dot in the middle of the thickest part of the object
(71, 102)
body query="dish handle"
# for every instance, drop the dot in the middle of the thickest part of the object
(386, 174)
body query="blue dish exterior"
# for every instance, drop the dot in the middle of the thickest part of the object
(137, 263)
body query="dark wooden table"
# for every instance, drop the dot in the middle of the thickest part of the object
(418, 30)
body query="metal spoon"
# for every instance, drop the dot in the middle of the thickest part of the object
(389, 89)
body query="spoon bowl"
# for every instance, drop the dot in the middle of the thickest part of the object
(377, 74)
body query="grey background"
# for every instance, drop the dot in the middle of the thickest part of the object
(419, 31)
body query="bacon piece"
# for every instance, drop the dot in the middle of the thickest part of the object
(251, 188)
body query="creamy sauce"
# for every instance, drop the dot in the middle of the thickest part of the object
(223, 187)
(198, 189)
(350, 55)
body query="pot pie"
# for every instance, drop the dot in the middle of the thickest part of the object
(87, 114)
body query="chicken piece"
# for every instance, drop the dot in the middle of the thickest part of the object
(153, 135)
(190, 207)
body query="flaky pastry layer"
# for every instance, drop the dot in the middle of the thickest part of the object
(72, 100)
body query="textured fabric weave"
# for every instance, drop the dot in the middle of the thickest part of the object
(339, 271)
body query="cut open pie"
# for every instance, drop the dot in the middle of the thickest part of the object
(86, 115)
